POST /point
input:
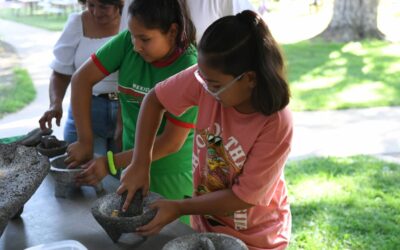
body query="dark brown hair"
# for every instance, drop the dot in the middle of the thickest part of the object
(161, 14)
(118, 3)
(242, 43)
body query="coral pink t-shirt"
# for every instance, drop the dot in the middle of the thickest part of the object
(242, 152)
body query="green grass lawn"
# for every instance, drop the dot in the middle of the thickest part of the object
(344, 203)
(51, 22)
(340, 76)
(16, 95)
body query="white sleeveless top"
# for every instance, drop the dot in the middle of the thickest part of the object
(72, 49)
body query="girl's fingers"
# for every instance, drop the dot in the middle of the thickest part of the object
(87, 166)
(86, 171)
(151, 228)
(73, 164)
(154, 226)
(121, 189)
(128, 200)
(81, 180)
(149, 232)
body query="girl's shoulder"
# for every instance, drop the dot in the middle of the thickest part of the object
(286, 113)
(283, 116)
(189, 56)
(122, 40)
(125, 33)
(282, 119)
(191, 50)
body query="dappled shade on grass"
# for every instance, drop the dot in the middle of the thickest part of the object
(344, 203)
(325, 76)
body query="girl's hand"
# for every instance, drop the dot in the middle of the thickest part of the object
(133, 178)
(95, 171)
(78, 153)
(167, 211)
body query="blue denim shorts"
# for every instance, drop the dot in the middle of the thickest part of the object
(104, 119)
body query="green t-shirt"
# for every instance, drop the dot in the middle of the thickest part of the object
(136, 78)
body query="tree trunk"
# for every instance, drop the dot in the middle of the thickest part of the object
(353, 20)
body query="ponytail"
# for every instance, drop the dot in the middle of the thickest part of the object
(270, 66)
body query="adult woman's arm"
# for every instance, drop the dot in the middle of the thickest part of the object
(63, 67)
(57, 88)
(82, 83)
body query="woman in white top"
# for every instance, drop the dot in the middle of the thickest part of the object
(83, 34)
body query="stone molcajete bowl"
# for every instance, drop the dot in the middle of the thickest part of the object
(65, 177)
(206, 241)
(107, 212)
(22, 170)
(50, 146)
(33, 138)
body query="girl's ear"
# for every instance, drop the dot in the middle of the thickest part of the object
(251, 78)
(173, 31)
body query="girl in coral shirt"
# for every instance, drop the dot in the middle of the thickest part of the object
(242, 139)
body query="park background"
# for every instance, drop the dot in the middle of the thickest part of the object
(344, 195)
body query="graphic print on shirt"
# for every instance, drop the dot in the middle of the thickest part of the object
(220, 172)
(135, 94)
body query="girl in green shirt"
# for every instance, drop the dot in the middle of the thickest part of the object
(158, 44)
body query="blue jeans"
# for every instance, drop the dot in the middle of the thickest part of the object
(104, 120)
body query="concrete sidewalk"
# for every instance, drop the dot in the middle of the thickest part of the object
(373, 131)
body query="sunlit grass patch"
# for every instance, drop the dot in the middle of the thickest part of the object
(16, 95)
(344, 203)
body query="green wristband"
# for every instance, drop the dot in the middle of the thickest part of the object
(111, 165)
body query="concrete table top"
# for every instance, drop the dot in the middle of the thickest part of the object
(47, 219)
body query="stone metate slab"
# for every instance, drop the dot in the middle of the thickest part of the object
(22, 170)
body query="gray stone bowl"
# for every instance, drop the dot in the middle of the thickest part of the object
(206, 241)
(65, 177)
(103, 208)
(22, 170)
(52, 152)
